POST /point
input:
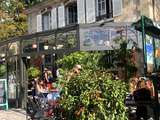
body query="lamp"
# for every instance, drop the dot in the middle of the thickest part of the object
(43, 56)
(34, 45)
(2, 55)
(28, 57)
(46, 47)
(59, 46)
(54, 47)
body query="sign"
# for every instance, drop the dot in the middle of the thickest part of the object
(149, 53)
(3, 94)
(106, 38)
(94, 38)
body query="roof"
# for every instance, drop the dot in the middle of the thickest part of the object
(150, 27)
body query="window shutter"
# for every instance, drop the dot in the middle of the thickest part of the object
(81, 11)
(90, 11)
(61, 16)
(54, 18)
(117, 7)
(39, 23)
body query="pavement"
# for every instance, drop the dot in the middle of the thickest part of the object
(13, 114)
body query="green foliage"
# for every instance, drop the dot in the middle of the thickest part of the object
(31, 3)
(33, 72)
(93, 95)
(3, 70)
(86, 59)
(13, 19)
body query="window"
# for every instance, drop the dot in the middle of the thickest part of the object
(46, 20)
(71, 13)
(103, 9)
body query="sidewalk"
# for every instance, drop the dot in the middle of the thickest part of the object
(13, 114)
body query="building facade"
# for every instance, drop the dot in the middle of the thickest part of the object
(53, 14)
(58, 14)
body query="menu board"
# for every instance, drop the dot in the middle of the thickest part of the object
(3, 94)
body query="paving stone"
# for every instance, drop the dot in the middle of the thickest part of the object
(13, 114)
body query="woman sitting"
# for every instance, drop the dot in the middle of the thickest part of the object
(41, 89)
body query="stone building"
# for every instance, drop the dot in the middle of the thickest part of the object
(53, 14)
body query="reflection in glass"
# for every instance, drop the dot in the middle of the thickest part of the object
(71, 39)
(3, 51)
(47, 42)
(12, 77)
(13, 48)
(29, 45)
(61, 40)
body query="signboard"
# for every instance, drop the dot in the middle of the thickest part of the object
(94, 38)
(3, 94)
(106, 38)
(149, 53)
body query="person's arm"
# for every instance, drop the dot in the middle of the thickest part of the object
(46, 77)
(39, 89)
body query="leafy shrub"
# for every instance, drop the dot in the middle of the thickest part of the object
(93, 95)
(86, 59)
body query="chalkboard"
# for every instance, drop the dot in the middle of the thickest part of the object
(3, 94)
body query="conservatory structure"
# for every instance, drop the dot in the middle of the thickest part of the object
(44, 48)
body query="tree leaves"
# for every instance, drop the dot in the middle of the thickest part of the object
(13, 21)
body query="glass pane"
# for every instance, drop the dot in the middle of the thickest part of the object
(12, 77)
(71, 39)
(72, 13)
(61, 41)
(117, 36)
(46, 21)
(48, 59)
(3, 51)
(132, 37)
(103, 8)
(47, 43)
(29, 45)
(14, 48)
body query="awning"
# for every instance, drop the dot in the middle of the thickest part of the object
(151, 28)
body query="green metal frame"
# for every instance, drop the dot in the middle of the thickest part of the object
(147, 26)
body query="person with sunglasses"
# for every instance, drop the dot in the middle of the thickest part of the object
(74, 71)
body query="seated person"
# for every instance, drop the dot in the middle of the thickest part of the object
(41, 88)
(142, 97)
(74, 71)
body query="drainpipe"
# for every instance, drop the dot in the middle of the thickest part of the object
(153, 5)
